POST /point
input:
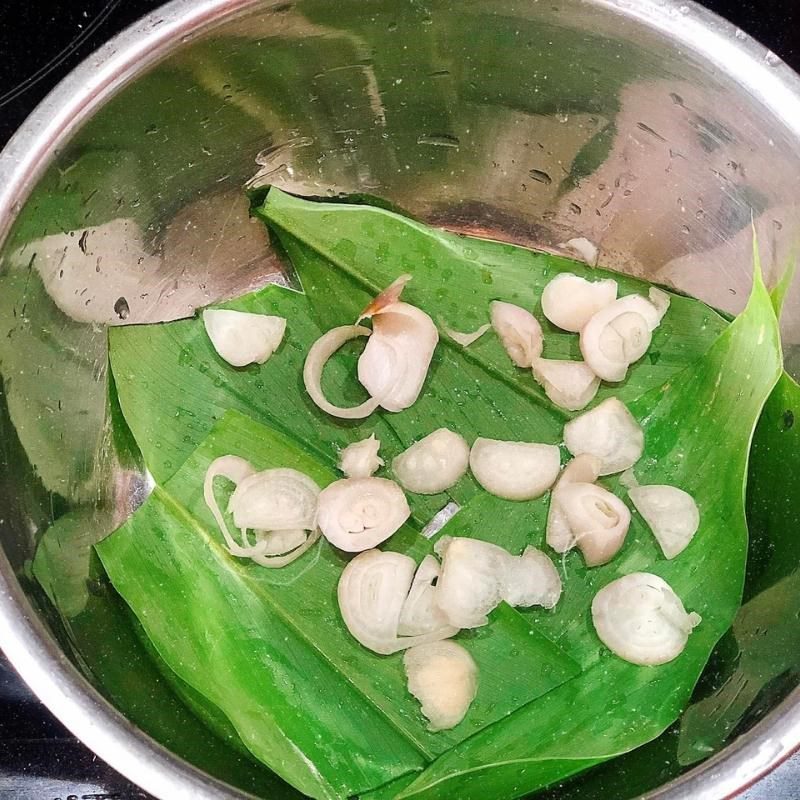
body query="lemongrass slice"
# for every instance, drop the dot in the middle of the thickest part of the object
(532, 580)
(372, 590)
(357, 514)
(618, 335)
(582, 469)
(242, 338)
(641, 619)
(609, 432)
(444, 678)
(519, 332)
(361, 459)
(569, 301)
(395, 362)
(568, 384)
(514, 470)
(317, 357)
(671, 513)
(432, 464)
(598, 521)
(473, 580)
(420, 614)
(466, 339)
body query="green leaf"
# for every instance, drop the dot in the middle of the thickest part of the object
(350, 716)
(698, 429)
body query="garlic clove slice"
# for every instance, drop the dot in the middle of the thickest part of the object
(568, 384)
(242, 338)
(532, 580)
(356, 514)
(598, 520)
(671, 514)
(465, 339)
(372, 590)
(317, 357)
(444, 678)
(514, 470)
(641, 619)
(395, 362)
(609, 432)
(569, 301)
(360, 459)
(582, 469)
(275, 499)
(519, 332)
(432, 464)
(420, 614)
(473, 580)
(618, 335)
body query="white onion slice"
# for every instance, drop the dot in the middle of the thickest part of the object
(444, 678)
(357, 514)
(420, 613)
(371, 593)
(275, 499)
(670, 512)
(641, 619)
(318, 355)
(242, 338)
(361, 459)
(609, 432)
(532, 580)
(519, 331)
(466, 339)
(598, 520)
(583, 469)
(568, 384)
(514, 470)
(432, 464)
(618, 335)
(569, 301)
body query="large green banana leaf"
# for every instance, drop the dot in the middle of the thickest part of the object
(348, 724)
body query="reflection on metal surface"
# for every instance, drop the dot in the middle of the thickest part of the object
(653, 133)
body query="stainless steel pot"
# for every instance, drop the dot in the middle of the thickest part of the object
(652, 128)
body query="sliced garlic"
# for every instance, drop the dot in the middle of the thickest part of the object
(519, 332)
(242, 338)
(532, 580)
(670, 512)
(395, 362)
(618, 335)
(372, 590)
(609, 432)
(356, 514)
(569, 301)
(466, 339)
(473, 580)
(444, 678)
(641, 619)
(420, 613)
(568, 384)
(514, 470)
(583, 469)
(598, 521)
(432, 464)
(317, 357)
(360, 459)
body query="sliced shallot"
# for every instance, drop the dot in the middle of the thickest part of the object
(356, 514)
(514, 470)
(519, 332)
(568, 384)
(569, 301)
(242, 338)
(671, 514)
(532, 580)
(420, 613)
(361, 459)
(466, 339)
(641, 619)
(444, 678)
(582, 469)
(609, 432)
(432, 464)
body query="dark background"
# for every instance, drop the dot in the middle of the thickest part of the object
(40, 42)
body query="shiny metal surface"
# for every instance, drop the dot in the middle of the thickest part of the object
(651, 128)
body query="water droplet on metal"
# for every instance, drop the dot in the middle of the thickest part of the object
(541, 176)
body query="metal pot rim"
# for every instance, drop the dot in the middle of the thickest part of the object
(26, 642)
